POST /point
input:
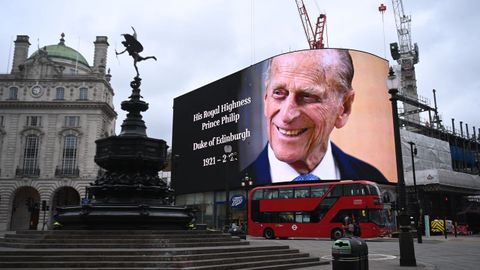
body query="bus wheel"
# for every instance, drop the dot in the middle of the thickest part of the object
(268, 234)
(336, 234)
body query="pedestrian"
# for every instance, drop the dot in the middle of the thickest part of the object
(347, 227)
(356, 228)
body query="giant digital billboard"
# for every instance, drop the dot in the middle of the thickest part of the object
(313, 114)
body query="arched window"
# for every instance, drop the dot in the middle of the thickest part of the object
(69, 158)
(30, 156)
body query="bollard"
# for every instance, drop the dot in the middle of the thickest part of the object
(350, 253)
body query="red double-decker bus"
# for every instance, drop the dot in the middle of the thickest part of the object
(316, 210)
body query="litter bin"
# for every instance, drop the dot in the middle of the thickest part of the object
(350, 253)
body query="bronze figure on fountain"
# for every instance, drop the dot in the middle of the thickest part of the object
(134, 48)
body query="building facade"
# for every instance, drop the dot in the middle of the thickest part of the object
(53, 107)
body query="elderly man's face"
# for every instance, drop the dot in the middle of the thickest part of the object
(302, 106)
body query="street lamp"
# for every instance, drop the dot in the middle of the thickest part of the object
(407, 252)
(413, 151)
(247, 182)
(227, 149)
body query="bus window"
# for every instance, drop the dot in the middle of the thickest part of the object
(362, 215)
(271, 194)
(327, 203)
(286, 193)
(348, 190)
(318, 215)
(341, 215)
(258, 194)
(319, 191)
(323, 208)
(363, 190)
(302, 217)
(337, 191)
(302, 192)
(354, 190)
(269, 217)
(286, 216)
(378, 216)
(373, 190)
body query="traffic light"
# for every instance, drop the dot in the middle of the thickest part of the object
(44, 205)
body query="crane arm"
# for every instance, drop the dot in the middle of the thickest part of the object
(307, 26)
(402, 23)
(314, 38)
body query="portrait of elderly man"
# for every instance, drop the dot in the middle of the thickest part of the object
(307, 95)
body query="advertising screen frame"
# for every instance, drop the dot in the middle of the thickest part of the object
(219, 129)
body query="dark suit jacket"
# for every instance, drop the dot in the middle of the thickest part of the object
(350, 168)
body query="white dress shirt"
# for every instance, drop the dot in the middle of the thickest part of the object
(282, 172)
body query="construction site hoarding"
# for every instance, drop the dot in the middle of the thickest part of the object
(238, 126)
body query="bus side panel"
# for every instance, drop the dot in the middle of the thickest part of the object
(276, 205)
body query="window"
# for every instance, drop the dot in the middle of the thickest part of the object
(373, 190)
(354, 190)
(83, 93)
(271, 194)
(302, 217)
(258, 194)
(30, 155)
(377, 216)
(60, 93)
(302, 192)
(1, 121)
(270, 217)
(337, 191)
(286, 216)
(286, 193)
(322, 209)
(69, 159)
(34, 121)
(72, 121)
(342, 214)
(13, 93)
(319, 191)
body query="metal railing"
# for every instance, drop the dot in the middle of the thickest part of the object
(67, 172)
(27, 172)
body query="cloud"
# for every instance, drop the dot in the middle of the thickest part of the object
(197, 42)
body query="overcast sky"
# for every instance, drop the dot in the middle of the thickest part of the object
(197, 42)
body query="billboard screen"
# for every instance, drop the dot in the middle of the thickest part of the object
(321, 113)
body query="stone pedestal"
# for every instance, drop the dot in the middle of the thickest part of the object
(129, 194)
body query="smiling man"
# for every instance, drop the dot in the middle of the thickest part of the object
(308, 94)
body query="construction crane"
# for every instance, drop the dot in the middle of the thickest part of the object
(406, 55)
(314, 38)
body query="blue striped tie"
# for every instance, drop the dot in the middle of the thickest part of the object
(306, 177)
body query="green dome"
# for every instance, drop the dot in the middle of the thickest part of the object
(63, 52)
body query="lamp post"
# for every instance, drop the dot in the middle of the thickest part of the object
(247, 182)
(227, 149)
(413, 151)
(407, 252)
